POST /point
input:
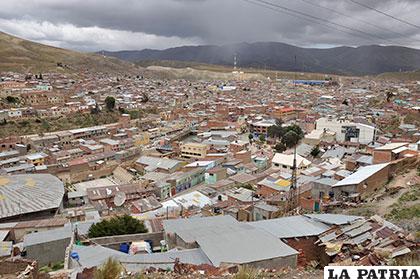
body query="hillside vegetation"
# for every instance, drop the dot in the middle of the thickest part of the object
(25, 56)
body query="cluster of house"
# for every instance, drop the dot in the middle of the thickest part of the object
(199, 154)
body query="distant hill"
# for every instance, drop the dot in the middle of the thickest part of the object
(25, 56)
(362, 60)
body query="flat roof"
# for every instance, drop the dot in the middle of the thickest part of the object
(391, 146)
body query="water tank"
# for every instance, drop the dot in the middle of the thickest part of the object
(124, 247)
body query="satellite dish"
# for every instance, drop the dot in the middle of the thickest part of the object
(108, 192)
(119, 198)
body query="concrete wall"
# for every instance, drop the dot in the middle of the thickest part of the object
(275, 263)
(48, 252)
(114, 242)
(317, 188)
(173, 240)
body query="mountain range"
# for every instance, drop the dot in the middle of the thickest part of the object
(363, 60)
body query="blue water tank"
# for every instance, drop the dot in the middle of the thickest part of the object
(124, 247)
(75, 255)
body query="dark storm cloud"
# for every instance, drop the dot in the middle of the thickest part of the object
(136, 24)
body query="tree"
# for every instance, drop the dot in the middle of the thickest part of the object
(110, 103)
(117, 226)
(280, 147)
(315, 151)
(261, 138)
(247, 186)
(389, 96)
(290, 139)
(276, 131)
(11, 99)
(111, 269)
(250, 137)
(295, 128)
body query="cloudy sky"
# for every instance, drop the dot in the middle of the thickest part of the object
(91, 25)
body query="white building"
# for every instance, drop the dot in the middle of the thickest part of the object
(285, 161)
(347, 131)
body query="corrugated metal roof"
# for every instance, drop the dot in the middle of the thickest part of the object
(154, 162)
(225, 240)
(47, 236)
(361, 175)
(190, 229)
(92, 256)
(96, 255)
(326, 181)
(334, 219)
(4, 234)
(27, 193)
(243, 246)
(140, 261)
(293, 226)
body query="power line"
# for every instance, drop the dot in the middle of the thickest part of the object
(353, 18)
(385, 14)
(324, 20)
(304, 18)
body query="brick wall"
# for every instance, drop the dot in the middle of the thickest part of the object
(375, 181)
(381, 156)
(266, 191)
(309, 251)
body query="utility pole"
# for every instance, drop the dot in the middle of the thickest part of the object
(292, 202)
(295, 71)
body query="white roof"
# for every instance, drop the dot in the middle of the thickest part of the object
(361, 175)
(392, 146)
(199, 164)
(193, 199)
(264, 123)
(287, 159)
(35, 156)
(400, 149)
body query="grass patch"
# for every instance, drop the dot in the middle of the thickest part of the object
(402, 212)
(411, 195)
(53, 267)
(366, 210)
(246, 272)
(36, 126)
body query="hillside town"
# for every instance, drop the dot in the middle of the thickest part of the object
(274, 174)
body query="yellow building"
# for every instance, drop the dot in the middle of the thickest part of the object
(36, 159)
(193, 150)
(141, 139)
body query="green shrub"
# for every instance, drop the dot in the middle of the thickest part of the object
(117, 226)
